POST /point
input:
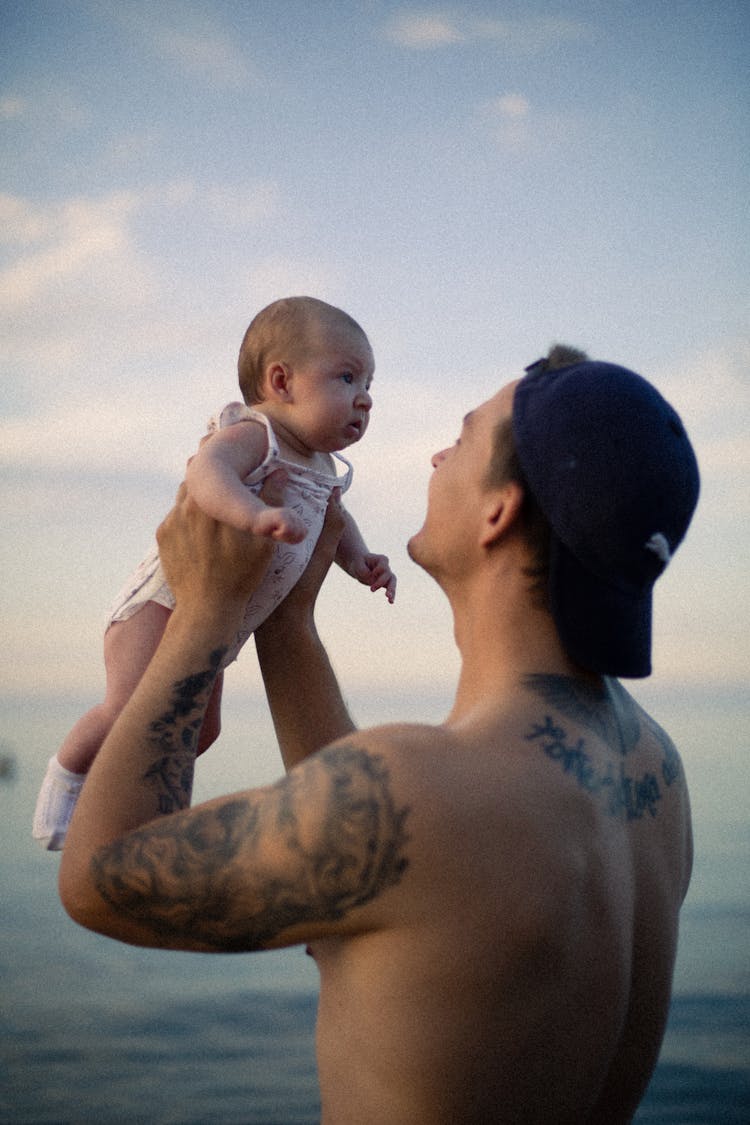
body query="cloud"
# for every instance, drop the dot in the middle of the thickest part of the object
(50, 105)
(508, 118)
(11, 107)
(431, 30)
(245, 205)
(117, 433)
(710, 388)
(711, 392)
(512, 106)
(189, 38)
(531, 35)
(512, 123)
(277, 276)
(206, 54)
(20, 221)
(78, 274)
(78, 240)
(423, 32)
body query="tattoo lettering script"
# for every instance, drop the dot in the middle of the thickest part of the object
(237, 874)
(610, 714)
(622, 795)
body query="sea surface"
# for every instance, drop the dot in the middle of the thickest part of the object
(97, 1032)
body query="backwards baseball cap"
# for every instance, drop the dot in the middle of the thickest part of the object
(612, 468)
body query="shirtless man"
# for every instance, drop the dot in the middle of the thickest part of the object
(492, 902)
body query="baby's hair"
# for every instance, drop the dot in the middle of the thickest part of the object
(283, 331)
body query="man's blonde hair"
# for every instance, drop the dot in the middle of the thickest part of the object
(283, 332)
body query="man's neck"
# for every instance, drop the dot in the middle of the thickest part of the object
(503, 637)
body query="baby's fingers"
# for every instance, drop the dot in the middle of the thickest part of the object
(381, 577)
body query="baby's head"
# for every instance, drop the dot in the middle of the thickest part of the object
(289, 331)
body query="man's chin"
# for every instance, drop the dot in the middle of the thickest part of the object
(413, 549)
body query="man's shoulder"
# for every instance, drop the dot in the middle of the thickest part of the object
(409, 757)
(395, 739)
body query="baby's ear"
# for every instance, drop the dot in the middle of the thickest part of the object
(279, 381)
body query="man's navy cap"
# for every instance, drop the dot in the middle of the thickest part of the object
(613, 470)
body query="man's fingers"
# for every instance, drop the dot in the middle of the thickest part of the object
(333, 525)
(203, 558)
(169, 519)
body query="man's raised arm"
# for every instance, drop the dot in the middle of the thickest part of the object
(303, 693)
(144, 769)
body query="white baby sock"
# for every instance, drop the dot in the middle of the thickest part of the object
(54, 805)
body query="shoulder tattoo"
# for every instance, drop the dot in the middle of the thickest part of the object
(322, 841)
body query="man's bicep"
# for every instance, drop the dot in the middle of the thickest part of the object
(265, 868)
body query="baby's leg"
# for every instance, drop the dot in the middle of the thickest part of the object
(128, 648)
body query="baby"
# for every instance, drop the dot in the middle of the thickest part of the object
(305, 371)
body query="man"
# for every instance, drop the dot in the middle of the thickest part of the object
(492, 902)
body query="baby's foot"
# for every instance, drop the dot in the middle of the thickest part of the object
(54, 805)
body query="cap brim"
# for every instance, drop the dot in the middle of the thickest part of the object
(604, 628)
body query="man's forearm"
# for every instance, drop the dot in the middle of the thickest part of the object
(144, 769)
(303, 693)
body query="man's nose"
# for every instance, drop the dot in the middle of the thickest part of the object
(437, 458)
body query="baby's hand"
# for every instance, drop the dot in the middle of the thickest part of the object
(281, 524)
(374, 571)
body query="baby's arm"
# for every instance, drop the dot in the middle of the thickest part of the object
(353, 557)
(215, 478)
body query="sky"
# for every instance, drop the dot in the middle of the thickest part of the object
(471, 181)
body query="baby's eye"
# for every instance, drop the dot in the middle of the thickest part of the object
(347, 377)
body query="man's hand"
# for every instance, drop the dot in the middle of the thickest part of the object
(207, 562)
(300, 601)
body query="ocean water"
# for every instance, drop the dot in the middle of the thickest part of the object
(92, 1031)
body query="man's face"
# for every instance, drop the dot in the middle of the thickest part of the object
(457, 486)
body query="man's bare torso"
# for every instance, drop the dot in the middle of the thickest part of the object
(522, 967)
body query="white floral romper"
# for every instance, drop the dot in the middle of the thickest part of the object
(307, 494)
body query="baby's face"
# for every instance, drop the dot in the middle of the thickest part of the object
(331, 388)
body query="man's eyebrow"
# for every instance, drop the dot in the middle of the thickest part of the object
(468, 417)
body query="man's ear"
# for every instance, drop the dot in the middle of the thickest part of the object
(279, 381)
(501, 511)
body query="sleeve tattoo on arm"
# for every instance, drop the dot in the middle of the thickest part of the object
(174, 736)
(327, 838)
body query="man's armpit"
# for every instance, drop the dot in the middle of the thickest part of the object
(237, 874)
